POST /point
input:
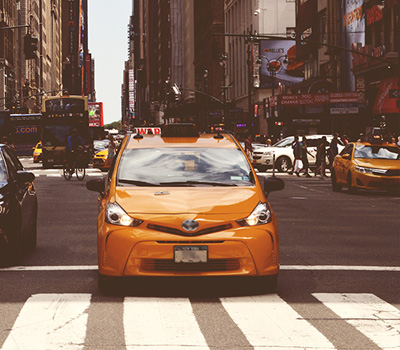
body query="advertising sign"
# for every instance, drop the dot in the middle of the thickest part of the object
(274, 65)
(96, 114)
(354, 27)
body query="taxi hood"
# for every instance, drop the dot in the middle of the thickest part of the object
(188, 200)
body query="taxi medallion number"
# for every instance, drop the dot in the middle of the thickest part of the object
(190, 254)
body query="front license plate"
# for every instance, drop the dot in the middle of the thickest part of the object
(190, 254)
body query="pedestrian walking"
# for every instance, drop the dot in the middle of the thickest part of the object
(111, 150)
(320, 159)
(304, 156)
(298, 164)
(248, 147)
(333, 150)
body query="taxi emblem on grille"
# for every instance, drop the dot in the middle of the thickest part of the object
(190, 225)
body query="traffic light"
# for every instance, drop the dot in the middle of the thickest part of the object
(30, 46)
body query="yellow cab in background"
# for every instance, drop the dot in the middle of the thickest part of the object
(185, 204)
(37, 152)
(367, 165)
(100, 160)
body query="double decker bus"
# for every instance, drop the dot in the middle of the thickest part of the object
(25, 132)
(60, 115)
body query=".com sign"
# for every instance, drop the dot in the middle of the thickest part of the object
(31, 129)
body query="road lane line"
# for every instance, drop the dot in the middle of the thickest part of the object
(50, 321)
(372, 316)
(283, 267)
(273, 324)
(161, 324)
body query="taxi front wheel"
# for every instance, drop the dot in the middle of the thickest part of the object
(108, 285)
(267, 284)
(350, 187)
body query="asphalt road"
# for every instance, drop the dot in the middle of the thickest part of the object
(338, 286)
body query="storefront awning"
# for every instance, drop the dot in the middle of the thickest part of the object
(383, 103)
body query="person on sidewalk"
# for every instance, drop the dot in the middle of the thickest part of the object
(298, 164)
(320, 160)
(304, 157)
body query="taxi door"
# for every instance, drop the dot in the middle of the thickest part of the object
(342, 163)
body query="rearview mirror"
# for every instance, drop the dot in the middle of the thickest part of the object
(346, 156)
(97, 185)
(273, 183)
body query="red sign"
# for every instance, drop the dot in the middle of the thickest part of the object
(374, 14)
(383, 103)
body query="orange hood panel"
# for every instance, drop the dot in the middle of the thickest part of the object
(187, 200)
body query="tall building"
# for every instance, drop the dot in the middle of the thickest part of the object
(76, 59)
(253, 43)
(8, 54)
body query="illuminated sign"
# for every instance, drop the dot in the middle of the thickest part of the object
(27, 129)
(96, 114)
(147, 131)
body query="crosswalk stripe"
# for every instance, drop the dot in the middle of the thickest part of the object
(161, 324)
(372, 316)
(273, 324)
(50, 321)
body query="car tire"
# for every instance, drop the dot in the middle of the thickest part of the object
(335, 186)
(352, 189)
(108, 285)
(32, 239)
(283, 164)
(12, 249)
(267, 284)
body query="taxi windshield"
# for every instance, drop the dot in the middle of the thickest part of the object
(184, 167)
(376, 152)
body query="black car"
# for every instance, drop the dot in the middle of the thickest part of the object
(18, 208)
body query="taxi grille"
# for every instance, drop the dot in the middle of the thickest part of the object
(175, 231)
(171, 265)
(393, 172)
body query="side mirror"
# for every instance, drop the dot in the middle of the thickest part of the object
(25, 176)
(346, 156)
(96, 185)
(273, 183)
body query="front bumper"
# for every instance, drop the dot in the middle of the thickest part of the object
(376, 182)
(240, 251)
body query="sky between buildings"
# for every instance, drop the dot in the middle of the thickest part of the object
(108, 43)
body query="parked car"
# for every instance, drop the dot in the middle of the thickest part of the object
(362, 165)
(18, 208)
(263, 157)
(37, 152)
(185, 204)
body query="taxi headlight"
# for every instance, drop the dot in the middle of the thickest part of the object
(115, 215)
(370, 170)
(261, 215)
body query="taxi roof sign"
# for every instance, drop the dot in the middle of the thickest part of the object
(179, 130)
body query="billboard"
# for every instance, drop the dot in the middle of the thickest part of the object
(274, 65)
(354, 28)
(96, 114)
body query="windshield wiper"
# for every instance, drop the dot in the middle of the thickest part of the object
(138, 183)
(177, 183)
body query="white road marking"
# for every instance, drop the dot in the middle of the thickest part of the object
(50, 321)
(161, 324)
(375, 318)
(283, 267)
(268, 321)
(340, 267)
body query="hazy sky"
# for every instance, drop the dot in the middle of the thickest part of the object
(108, 44)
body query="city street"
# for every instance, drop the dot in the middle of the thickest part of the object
(338, 285)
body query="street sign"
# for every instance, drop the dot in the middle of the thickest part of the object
(394, 93)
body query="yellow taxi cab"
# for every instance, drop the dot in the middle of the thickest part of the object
(37, 152)
(100, 160)
(185, 204)
(364, 165)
